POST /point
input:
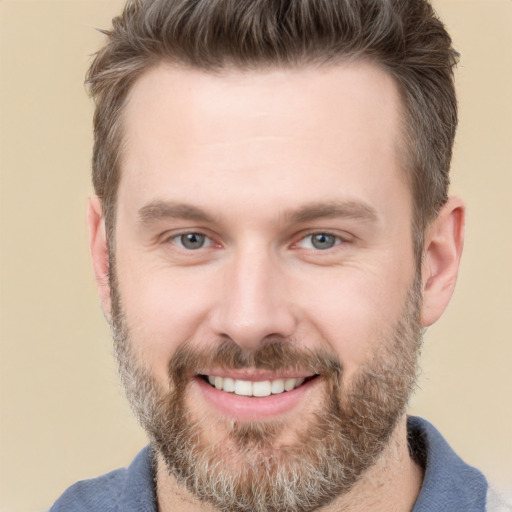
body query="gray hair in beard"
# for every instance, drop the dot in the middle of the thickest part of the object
(249, 470)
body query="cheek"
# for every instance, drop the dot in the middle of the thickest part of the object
(353, 311)
(163, 309)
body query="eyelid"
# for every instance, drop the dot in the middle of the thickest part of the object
(210, 240)
(340, 239)
(174, 238)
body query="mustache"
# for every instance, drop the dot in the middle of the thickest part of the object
(276, 354)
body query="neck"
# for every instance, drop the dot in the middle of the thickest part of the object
(392, 484)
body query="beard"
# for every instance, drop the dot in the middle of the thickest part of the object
(253, 466)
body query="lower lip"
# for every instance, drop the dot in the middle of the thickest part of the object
(245, 408)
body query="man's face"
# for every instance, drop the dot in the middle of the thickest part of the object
(263, 241)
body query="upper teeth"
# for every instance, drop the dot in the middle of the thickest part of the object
(250, 388)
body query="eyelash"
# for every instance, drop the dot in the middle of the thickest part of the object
(177, 240)
(338, 240)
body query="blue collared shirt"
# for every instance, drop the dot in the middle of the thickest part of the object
(449, 485)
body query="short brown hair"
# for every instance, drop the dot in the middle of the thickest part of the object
(404, 37)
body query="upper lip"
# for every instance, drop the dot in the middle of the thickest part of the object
(256, 375)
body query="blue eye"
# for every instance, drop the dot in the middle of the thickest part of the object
(192, 241)
(320, 241)
(323, 241)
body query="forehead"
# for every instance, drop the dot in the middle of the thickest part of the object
(293, 128)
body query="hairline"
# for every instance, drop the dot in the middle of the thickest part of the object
(403, 145)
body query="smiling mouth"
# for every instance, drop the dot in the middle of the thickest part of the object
(255, 388)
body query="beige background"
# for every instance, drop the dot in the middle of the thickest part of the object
(63, 415)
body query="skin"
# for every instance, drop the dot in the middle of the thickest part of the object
(260, 158)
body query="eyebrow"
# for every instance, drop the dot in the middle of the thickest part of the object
(332, 209)
(159, 210)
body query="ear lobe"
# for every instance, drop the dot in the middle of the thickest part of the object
(99, 251)
(444, 240)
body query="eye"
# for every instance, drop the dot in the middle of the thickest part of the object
(192, 241)
(320, 241)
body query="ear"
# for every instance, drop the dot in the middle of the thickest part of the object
(444, 240)
(99, 251)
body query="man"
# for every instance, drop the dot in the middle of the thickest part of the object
(271, 232)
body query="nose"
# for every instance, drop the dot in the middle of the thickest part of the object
(254, 303)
